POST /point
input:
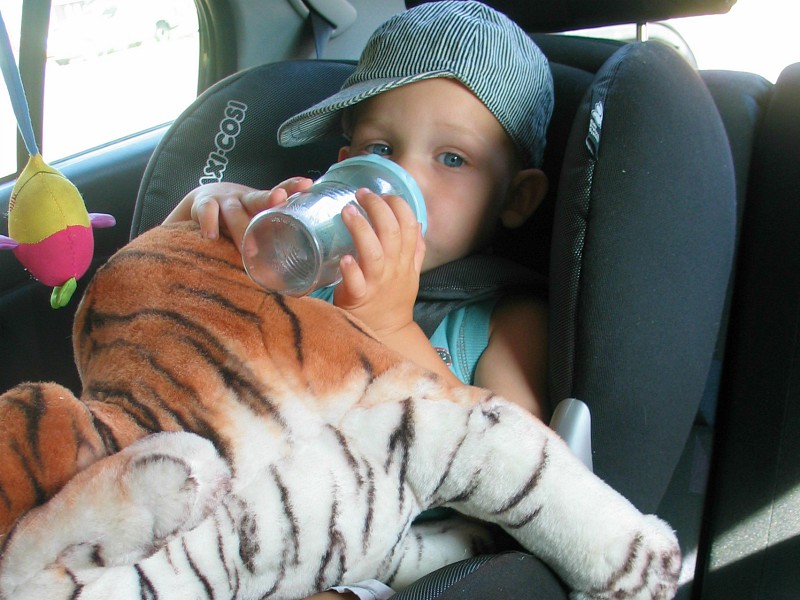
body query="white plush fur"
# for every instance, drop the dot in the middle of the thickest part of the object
(333, 501)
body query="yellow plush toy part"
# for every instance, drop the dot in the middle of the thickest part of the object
(49, 228)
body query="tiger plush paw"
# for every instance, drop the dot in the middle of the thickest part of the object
(118, 511)
(651, 566)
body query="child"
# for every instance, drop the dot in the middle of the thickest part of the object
(461, 98)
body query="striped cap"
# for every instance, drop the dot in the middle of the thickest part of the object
(463, 40)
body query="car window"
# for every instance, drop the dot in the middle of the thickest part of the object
(114, 68)
(748, 38)
(755, 36)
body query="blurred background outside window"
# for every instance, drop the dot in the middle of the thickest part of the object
(114, 68)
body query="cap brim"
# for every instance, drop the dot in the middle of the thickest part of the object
(322, 119)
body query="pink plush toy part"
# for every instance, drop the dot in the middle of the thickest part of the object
(49, 229)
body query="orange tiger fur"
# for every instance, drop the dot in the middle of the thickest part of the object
(47, 436)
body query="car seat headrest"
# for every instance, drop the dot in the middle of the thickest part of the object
(216, 137)
(642, 251)
(228, 134)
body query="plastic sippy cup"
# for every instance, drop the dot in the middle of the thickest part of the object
(295, 249)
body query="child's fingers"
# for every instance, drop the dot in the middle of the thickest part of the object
(275, 197)
(205, 212)
(235, 216)
(256, 201)
(353, 287)
(409, 228)
(292, 186)
(383, 220)
(371, 257)
(419, 250)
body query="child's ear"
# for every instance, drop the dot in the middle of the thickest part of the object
(344, 152)
(527, 191)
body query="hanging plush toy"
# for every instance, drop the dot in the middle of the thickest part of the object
(49, 228)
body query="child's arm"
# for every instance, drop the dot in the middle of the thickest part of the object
(514, 363)
(381, 287)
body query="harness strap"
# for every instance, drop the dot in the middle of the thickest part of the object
(322, 29)
(468, 280)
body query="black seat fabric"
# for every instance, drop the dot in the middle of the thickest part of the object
(742, 100)
(228, 134)
(530, 244)
(642, 253)
(509, 575)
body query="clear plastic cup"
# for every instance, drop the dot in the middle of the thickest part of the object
(295, 249)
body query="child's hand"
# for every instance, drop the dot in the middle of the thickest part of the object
(380, 289)
(228, 207)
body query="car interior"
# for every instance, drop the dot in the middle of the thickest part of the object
(669, 238)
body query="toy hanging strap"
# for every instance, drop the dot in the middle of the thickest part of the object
(15, 90)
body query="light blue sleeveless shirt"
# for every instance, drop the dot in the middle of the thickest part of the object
(460, 338)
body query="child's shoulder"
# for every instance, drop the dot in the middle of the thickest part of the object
(517, 310)
(514, 363)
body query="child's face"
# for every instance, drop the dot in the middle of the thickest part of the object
(456, 150)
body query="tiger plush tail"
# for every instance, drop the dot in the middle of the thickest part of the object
(46, 436)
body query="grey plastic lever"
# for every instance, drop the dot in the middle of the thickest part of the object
(573, 422)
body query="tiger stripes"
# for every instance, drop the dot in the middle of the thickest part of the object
(230, 443)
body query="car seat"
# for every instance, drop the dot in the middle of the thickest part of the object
(228, 133)
(642, 220)
(661, 367)
(641, 261)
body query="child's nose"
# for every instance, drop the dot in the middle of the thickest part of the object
(413, 167)
(418, 175)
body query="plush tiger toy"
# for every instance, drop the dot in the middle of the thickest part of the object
(232, 443)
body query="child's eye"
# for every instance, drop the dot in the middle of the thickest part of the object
(379, 149)
(450, 159)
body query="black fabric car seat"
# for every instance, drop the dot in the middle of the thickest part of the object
(641, 263)
(643, 242)
(228, 133)
(642, 208)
